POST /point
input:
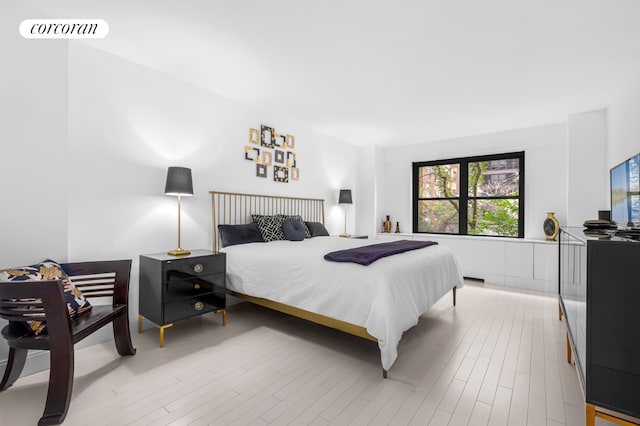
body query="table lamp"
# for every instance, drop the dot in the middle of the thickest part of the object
(179, 183)
(345, 198)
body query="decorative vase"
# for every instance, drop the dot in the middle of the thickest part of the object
(387, 224)
(397, 227)
(551, 226)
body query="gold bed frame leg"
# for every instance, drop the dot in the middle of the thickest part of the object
(568, 349)
(590, 415)
(559, 312)
(224, 315)
(454, 295)
(384, 373)
(139, 324)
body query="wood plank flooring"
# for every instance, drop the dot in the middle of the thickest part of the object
(497, 358)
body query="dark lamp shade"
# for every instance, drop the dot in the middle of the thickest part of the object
(179, 181)
(345, 197)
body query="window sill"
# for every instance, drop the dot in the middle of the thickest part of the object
(468, 237)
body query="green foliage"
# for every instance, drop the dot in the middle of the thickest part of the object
(493, 216)
(476, 178)
(499, 217)
(438, 216)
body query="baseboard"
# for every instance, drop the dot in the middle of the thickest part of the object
(36, 361)
(544, 286)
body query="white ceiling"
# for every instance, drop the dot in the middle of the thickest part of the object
(384, 72)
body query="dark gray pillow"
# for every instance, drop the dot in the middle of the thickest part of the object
(293, 229)
(317, 229)
(299, 219)
(232, 235)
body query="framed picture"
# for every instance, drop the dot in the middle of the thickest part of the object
(280, 174)
(295, 173)
(291, 159)
(261, 170)
(252, 154)
(280, 140)
(267, 136)
(280, 156)
(290, 141)
(254, 136)
(267, 158)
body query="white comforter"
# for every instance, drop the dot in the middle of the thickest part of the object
(386, 297)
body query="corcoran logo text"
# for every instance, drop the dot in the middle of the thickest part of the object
(64, 28)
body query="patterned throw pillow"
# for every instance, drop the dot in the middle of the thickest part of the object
(49, 270)
(307, 233)
(270, 227)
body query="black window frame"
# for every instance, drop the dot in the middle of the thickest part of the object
(464, 192)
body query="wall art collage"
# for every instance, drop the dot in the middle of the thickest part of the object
(272, 152)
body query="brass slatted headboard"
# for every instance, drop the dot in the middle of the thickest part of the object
(233, 208)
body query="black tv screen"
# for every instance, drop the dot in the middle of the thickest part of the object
(625, 193)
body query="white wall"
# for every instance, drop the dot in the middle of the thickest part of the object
(545, 171)
(33, 133)
(365, 198)
(587, 171)
(624, 126)
(33, 149)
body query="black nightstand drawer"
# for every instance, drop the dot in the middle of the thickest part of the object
(185, 308)
(201, 265)
(180, 285)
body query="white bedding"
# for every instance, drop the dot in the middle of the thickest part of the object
(386, 297)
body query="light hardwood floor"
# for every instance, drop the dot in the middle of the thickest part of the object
(497, 358)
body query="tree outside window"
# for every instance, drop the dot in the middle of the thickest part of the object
(470, 196)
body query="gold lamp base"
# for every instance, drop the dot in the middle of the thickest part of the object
(345, 235)
(179, 252)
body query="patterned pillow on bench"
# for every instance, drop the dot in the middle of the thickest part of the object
(48, 270)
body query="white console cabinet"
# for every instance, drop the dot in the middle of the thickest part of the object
(509, 262)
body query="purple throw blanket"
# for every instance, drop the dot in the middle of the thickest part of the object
(366, 255)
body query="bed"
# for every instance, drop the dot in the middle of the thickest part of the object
(376, 302)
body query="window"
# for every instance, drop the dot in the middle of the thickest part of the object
(470, 196)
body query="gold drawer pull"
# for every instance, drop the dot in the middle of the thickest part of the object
(198, 306)
(196, 286)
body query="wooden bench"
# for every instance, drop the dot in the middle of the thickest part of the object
(95, 280)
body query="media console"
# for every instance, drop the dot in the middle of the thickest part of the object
(631, 234)
(599, 295)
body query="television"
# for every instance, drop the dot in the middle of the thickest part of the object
(625, 193)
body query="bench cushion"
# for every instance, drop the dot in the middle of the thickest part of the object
(48, 270)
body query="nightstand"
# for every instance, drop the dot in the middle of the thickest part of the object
(175, 288)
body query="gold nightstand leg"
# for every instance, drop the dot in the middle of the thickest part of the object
(162, 327)
(224, 315)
